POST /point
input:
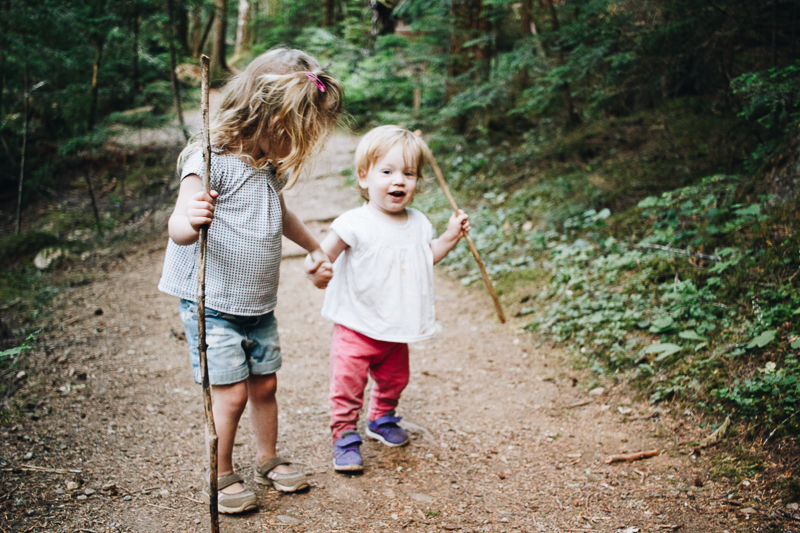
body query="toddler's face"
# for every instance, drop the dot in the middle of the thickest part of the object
(390, 182)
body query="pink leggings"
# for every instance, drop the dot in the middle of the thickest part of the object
(355, 357)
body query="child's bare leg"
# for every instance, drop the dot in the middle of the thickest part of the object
(264, 418)
(229, 402)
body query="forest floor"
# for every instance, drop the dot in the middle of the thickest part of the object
(506, 435)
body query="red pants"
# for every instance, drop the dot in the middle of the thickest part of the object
(355, 357)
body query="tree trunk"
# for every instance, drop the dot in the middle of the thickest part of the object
(4, 27)
(794, 26)
(136, 84)
(122, 180)
(328, 13)
(92, 198)
(98, 61)
(196, 29)
(243, 27)
(218, 61)
(383, 22)
(566, 92)
(211, 17)
(255, 21)
(176, 90)
(774, 33)
(182, 25)
(24, 145)
(528, 28)
(470, 22)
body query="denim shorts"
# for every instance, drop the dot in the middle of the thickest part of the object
(238, 346)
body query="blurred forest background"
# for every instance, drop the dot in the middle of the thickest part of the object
(630, 166)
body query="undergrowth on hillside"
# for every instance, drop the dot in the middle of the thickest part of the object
(698, 302)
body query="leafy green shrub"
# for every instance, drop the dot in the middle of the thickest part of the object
(19, 247)
(678, 322)
(771, 100)
(771, 395)
(158, 94)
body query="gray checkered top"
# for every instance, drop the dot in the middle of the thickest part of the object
(244, 241)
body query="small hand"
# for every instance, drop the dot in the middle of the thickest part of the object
(318, 268)
(200, 209)
(458, 224)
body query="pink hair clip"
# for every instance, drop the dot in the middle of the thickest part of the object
(316, 80)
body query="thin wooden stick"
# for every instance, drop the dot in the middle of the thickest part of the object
(631, 456)
(211, 429)
(471, 244)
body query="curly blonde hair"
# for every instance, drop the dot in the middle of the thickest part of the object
(276, 99)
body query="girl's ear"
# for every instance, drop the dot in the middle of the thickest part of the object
(362, 178)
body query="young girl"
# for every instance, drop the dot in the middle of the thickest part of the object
(380, 295)
(272, 118)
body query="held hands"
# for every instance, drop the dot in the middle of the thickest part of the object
(318, 268)
(457, 224)
(200, 209)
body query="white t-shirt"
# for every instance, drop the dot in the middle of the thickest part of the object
(382, 284)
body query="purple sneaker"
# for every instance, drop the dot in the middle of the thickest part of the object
(386, 430)
(346, 453)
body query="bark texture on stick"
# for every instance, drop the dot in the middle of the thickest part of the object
(201, 312)
(471, 244)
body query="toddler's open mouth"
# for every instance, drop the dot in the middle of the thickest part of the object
(397, 194)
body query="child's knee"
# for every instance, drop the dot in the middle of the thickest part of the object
(232, 398)
(263, 387)
(402, 382)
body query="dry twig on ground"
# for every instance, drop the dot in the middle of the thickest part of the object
(631, 456)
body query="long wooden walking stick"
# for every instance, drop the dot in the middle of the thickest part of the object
(211, 429)
(471, 244)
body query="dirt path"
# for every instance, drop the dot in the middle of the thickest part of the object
(503, 440)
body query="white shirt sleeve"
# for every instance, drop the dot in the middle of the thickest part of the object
(345, 227)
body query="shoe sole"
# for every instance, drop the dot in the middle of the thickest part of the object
(283, 488)
(384, 441)
(347, 468)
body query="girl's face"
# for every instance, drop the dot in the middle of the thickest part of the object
(390, 182)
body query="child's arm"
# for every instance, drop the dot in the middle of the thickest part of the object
(297, 232)
(193, 209)
(448, 240)
(332, 245)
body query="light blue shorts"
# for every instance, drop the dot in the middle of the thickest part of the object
(238, 346)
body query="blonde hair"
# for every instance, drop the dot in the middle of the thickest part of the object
(377, 143)
(275, 99)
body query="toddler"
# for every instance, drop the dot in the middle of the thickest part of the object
(272, 118)
(379, 289)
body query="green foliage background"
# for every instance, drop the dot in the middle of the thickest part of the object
(630, 167)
